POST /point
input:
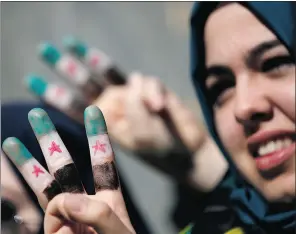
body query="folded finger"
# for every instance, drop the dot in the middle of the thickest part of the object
(42, 183)
(58, 96)
(96, 60)
(83, 210)
(136, 110)
(101, 152)
(70, 68)
(186, 125)
(58, 159)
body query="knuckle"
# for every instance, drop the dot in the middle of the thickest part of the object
(141, 139)
(103, 211)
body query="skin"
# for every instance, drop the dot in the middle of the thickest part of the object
(56, 154)
(161, 121)
(103, 166)
(270, 94)
(36, 176)
(13, 190)
(104, 211)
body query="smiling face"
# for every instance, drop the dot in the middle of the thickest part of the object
(251, 81)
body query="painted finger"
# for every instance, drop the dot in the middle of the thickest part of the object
(102, 157)
(70, 68)
(58, 159)
(42, 183)
(58, 96)
(96, 60)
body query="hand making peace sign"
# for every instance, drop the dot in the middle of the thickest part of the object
(60, 191)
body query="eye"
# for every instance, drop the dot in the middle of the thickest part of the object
(278, 65)
(220, 91)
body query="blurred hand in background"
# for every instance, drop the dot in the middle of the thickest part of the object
(142, 115)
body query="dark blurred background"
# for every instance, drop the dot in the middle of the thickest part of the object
(151, 37)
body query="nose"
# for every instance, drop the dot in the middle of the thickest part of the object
(252, 105)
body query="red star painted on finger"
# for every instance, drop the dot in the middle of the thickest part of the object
(54, 147)
(71, 67)
(94, 61)
(37, 170)
(99, 146)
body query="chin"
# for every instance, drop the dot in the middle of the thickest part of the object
(282, 190)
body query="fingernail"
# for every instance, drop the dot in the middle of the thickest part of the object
(75, 202)
(134, 77)
(16, 151)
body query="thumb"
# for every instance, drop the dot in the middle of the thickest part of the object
(83, 210)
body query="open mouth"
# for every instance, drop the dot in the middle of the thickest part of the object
(271, 149)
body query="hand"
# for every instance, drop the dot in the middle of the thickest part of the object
(142, 116)
(105, 211)
(100, 82)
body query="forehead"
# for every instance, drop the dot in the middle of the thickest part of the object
(231, 31)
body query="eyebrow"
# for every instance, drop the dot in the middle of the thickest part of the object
(253, 55)
(257, 52)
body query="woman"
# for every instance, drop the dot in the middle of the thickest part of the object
(243, 78)
(246, 84)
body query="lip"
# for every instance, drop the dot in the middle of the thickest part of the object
(274, 159)
(265, 136)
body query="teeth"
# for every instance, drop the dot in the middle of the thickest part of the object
(274, 146)
(287, 142)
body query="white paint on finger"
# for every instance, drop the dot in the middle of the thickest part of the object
(73, 70)
(54, 151)
(59, 97)
(35, 175)
(100, 149)
(98, 61)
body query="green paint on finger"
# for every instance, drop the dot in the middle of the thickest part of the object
(40, 122)
(16, 151)
(49, 53)
(75, 46)
(36, 84)
(94, 121)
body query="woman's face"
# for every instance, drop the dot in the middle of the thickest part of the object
(251, 80)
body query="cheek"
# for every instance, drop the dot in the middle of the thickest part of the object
(229, 131)
(283, 96)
